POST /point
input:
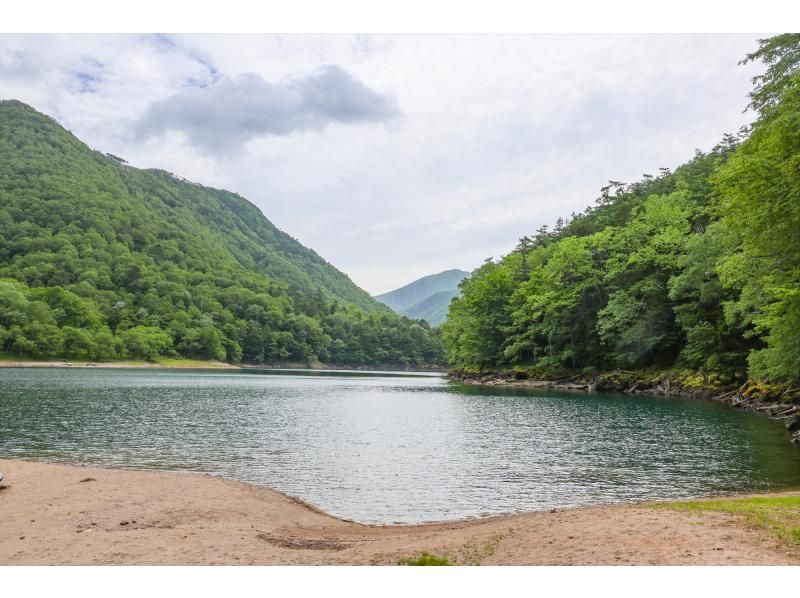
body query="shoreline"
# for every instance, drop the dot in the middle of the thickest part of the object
(66, 363)
(197, 364)
(67, 514)
(748, 397)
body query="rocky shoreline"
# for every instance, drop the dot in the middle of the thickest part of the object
(779, 403)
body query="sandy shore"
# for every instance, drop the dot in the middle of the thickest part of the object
(59, 514)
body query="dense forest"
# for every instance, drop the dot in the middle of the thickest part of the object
(100, 260)
(697, 268)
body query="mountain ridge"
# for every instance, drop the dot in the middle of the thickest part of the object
(101, 259)
(247, 215)
(426, 298)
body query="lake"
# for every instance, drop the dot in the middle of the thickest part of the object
(391, 448)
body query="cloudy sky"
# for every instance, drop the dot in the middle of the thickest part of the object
(393, 156)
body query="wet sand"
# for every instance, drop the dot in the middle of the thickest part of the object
(59, 514)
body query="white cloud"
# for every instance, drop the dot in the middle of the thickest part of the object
(222, 116)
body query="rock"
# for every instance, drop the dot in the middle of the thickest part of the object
(88, 480)
(124, 523)
(793, 425)
(608, 385)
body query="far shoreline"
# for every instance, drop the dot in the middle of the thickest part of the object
(65, 363)
(199, 364)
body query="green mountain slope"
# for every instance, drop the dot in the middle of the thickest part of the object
(165, 266)
(408, 300)
(433, 309)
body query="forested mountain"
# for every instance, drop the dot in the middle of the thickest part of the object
(103, 260)
(696, 269)
(433, 309)
(426, 298)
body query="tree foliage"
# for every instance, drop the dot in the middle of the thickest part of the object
(101, 260)
(695, 268)
(760, 202)
(781, 54)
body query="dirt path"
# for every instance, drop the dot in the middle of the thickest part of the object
(57, 514)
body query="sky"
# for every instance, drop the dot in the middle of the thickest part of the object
(393, 156)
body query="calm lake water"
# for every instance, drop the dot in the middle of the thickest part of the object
(391, 448)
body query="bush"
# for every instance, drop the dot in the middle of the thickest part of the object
(426, 560)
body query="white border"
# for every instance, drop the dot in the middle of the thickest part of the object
(381, 16)
(431, 16)
(373, 582)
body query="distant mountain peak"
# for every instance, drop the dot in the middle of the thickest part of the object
(426, 298)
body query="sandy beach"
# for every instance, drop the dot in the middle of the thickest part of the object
(59, 514)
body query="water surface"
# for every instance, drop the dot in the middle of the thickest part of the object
(386, 448)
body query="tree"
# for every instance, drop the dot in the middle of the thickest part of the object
(781, 54)
(144, 342)
(759, 190)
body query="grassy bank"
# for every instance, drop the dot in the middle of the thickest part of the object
(779, 515)
(15, 361)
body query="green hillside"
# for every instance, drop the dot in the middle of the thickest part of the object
(433, 309)
(103, 260)
(695, 269)
(429, 295)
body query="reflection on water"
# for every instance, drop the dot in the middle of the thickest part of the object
(381, 448)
